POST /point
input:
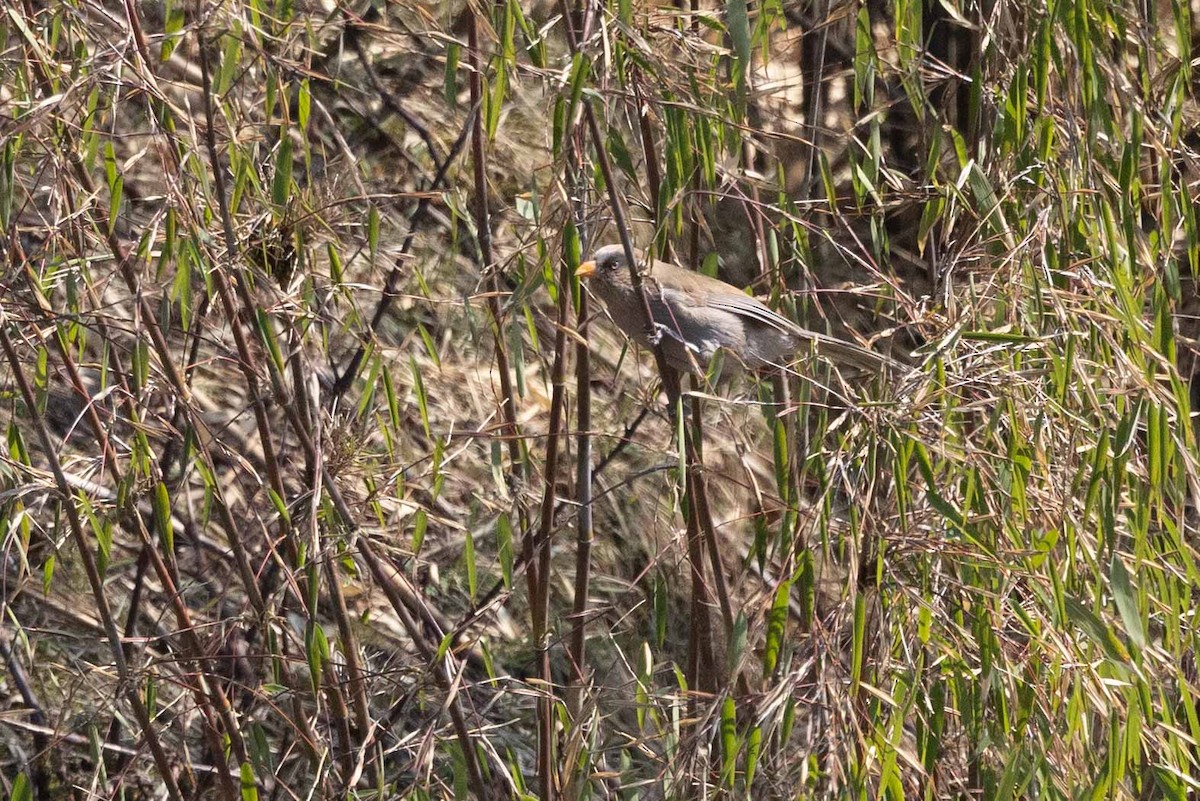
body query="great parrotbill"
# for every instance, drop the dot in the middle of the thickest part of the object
(695, 316)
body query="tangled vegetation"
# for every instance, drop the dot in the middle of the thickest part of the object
(324, 479)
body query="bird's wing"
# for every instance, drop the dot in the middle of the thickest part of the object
(832, 347)
(747, 306)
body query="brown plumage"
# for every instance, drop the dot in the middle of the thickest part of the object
(696, 315)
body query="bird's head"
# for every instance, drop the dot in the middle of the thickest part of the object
(607, 267)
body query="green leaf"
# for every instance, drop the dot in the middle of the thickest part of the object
(1095, 629)
(782, 472)
(102, 529)
(558, 127)
(48, 574)
(162, 516)
(450, 75)
(231, 60)
(753, 749)
(495, 102)
(661, 609)
(461, 779)
(580, 69)
(151, 696)
(260, 747)
(373, 229)
(280, 506)
(267, 333)
(249, 785)
(281, 187)
(173, 19)
(738, 20)
(469, 560)
(420, 523)
(8, 161)
(729, 746)
(988, 203)
(303, 105)
(444, 647)
(389, 392)
(776, 626)
(1125, 597)
(422, 400)
(858, 638)
(317, 651)
(116, 187)
(22, 790)
(336, 267)
(619, 153)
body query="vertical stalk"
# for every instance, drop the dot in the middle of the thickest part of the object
(583, 487)
(537, 562)
(574, 781)
(508, 409)
(583, 454)
(812, 67)
(128, 682)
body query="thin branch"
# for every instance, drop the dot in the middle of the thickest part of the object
(133, 696)
(392, 283)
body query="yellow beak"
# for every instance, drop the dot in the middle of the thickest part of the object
(585, 270)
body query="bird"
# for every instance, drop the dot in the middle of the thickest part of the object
(695, 316)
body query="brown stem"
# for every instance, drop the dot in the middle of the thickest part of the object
(89, 565)
(701, 673)
(150, 324)
(583, 487)
(584, 533)
(650, 153)
(445, 670)
(392, 283)
(537, 568)
(41, 742)
(245, 361)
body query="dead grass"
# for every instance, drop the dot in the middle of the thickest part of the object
(293, 500)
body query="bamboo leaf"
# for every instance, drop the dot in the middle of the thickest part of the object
(249, 785)
(162, 517)
(1125, 597)
(729, 745)
(281, 187)
(469, 560)
(738, 20)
